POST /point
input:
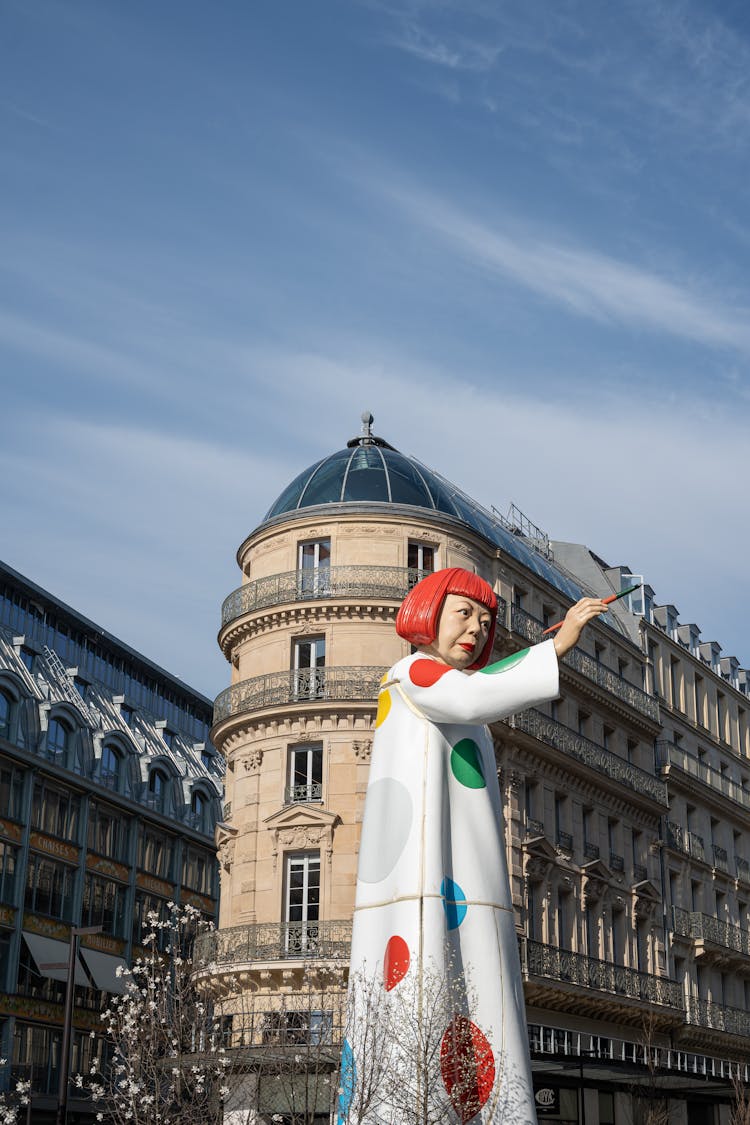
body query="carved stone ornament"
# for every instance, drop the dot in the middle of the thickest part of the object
(301, 827)
(593, 889)
(253, 760)
(224, 837)
(537, 868)
(645, 908)
(362, 749)
(515, 781)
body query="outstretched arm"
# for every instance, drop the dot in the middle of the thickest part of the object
(529, 677)
(446, 695)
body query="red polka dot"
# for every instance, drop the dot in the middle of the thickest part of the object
(467, 1066)
(425, 673)
(396, 962)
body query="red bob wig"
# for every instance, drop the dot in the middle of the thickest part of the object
(417, 619)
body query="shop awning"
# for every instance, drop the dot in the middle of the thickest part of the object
(47, 951)
(103, 968)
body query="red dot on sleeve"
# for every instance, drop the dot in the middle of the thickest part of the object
(425, 673)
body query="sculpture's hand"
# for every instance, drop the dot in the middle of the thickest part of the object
(576, 618)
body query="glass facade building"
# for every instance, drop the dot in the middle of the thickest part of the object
(109, 793)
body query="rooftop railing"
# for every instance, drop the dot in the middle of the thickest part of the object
(308, 685)
(531, 628)
(273, 941)
(604, 976)
(389, 582)
(590, 753)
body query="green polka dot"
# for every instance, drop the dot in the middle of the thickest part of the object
(504, 665)
(466, 764)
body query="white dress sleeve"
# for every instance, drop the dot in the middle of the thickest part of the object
(447, 695)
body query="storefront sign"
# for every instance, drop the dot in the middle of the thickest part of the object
(56, 848)
(104, 943)
(45, 1012)
(104, 866)
(151, 883)
(11, 831)
(547, 1100)
(200, 902)
(7, 916)
(45, 926)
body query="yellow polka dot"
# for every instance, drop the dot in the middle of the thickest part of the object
(384, 706)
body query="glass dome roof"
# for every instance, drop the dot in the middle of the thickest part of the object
(370, 471)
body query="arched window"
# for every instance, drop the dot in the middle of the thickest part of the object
(157, 787)
(109, 774)
(6, 704)
(58, 738)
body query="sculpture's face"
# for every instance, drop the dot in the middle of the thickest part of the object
(463, 628)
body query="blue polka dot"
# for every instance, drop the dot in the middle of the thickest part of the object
(454, 903)
(348, 1079)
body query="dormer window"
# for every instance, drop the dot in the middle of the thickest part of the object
(157, 787)
(58, 737)
(6, 704)
(110, 768)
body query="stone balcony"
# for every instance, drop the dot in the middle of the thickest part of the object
(683, 840)
(266, 952)
(356, 684)
(589, 754)
(716, 941)
(557, 977)
(708, 1015)
(669, 755)
(325, 583)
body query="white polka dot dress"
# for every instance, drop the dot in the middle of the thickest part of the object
(432, 885)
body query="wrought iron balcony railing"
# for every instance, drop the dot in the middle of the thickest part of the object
(380, 582)
(718, 1017)
(590, 851)
(682, 840)
(605, 976)
(743, 868)
(704, 927)
(590, 753)
(640, 872)
(530, 628)
(299, 794)
(616, 862)
(273, 941)
(670, 754)
(534, 827)
(305, 686)
(721, 859)
(565, 841)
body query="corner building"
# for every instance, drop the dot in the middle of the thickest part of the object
(109, 793)
(619, 993)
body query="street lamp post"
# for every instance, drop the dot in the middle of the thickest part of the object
(62, 1087)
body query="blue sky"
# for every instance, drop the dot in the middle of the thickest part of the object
(519, 233)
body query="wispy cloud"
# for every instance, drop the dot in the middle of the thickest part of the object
(584, 281)
(459, 53)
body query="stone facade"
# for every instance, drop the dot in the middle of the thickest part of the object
(628, 933)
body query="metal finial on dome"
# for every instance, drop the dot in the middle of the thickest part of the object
(367, 421)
